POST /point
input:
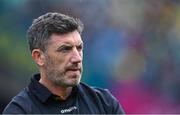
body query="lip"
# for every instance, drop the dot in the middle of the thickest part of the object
(74, 69)
(73, 73)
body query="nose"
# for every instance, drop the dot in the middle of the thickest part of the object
(76, 56)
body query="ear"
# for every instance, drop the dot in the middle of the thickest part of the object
(38, 57)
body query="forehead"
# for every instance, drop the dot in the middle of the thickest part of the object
(73, 38)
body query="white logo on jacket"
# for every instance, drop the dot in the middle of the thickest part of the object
(69, 109)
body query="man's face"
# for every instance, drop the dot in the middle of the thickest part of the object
(63, 59)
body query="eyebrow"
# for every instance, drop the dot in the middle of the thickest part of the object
(65, 44)
(69, 43)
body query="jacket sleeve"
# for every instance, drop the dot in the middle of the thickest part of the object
(114, 105)
(20, 104)
(13, 108)
(110, 103)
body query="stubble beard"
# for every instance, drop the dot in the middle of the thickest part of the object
(60, 77)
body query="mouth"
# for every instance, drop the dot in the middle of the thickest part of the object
(74, 71)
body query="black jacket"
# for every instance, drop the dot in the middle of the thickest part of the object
(83, 100)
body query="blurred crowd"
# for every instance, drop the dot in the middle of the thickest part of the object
(130, 47)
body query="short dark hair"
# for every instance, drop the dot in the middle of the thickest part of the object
(44, 26)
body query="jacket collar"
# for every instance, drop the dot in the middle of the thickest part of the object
(41, 92)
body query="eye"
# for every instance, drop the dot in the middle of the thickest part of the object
(80, 47)
(65, 49)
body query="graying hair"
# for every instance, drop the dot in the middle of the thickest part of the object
(44, 26)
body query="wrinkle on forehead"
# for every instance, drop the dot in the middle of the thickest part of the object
(73, 38)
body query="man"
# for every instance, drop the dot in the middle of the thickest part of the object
(57, 48)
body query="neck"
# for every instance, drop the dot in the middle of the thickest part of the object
(62, 92)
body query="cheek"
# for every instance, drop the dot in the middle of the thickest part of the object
(62, 61)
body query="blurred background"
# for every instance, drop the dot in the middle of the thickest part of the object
(131, 48)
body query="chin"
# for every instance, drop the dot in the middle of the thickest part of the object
(70, 84)
(69, 81)
(74, 82)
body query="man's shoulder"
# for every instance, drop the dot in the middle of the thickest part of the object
(93, 88)
(98, 92)
(102, 98)
(18, 103)
(21, 97)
